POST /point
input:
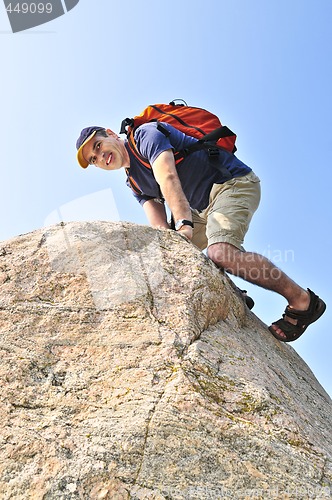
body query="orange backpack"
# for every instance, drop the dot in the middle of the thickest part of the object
(195, 122)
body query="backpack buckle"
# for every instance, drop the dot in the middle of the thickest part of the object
(213, 152)
(127, 122)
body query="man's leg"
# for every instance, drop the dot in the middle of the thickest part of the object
(232, 205)
(258, 270)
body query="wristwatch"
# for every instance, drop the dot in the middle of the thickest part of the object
(183, 222)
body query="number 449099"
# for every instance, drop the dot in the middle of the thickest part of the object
(29, 8)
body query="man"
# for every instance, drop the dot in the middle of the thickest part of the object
(212, 201)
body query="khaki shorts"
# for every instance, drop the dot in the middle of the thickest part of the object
(228, 215)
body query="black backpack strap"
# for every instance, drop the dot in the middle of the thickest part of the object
(208, 143)
(216, 134)
(213, 152)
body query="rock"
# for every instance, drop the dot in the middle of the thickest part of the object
(131, 368)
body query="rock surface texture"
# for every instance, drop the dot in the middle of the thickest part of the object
(131, 369)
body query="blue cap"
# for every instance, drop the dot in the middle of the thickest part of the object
(85, 136)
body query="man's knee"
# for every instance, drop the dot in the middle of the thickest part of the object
(222, 254)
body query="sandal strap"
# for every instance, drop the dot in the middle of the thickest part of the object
(303, 315)
(289, 329)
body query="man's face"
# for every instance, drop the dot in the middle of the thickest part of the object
(108, 153)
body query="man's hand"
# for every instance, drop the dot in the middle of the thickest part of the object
(186, 231)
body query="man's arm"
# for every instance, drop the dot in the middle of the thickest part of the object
(166, 175)
(156, 214)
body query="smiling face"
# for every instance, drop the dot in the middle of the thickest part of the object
(108, 153)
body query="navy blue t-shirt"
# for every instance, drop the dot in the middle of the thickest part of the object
(196, 173)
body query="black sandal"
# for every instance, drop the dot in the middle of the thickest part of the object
(304, 318)
(248, 300)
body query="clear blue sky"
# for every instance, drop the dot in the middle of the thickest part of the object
(264, 66)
